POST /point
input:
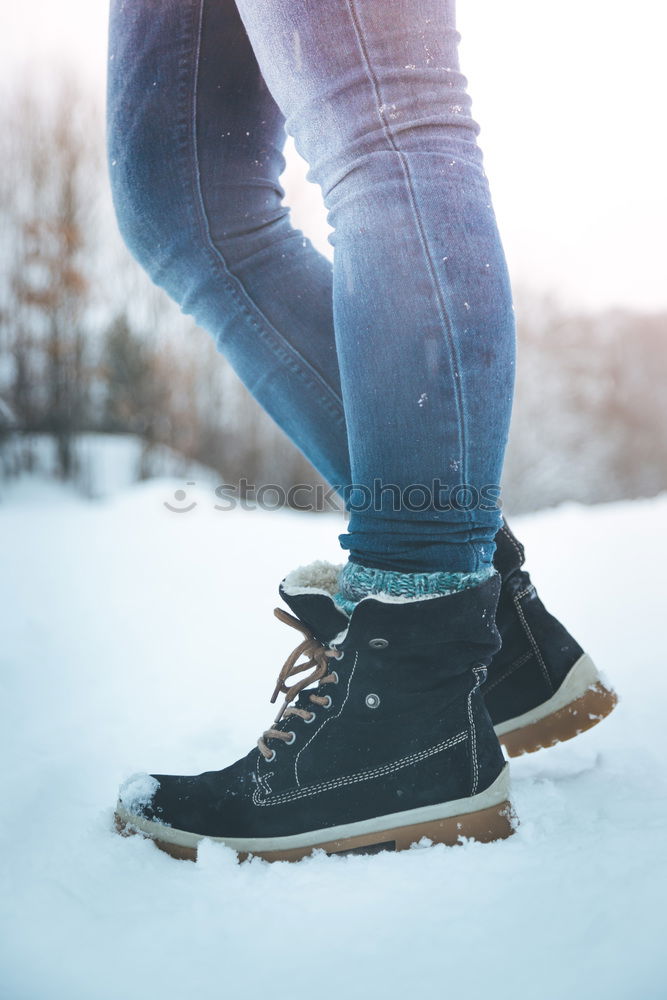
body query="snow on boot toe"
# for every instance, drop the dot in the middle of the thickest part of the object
(136, 792)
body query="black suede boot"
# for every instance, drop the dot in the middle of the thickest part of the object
(541, 688)
(393, 743)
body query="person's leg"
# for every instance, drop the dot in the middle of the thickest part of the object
(395, 742)
(423, 318)
(195, 145)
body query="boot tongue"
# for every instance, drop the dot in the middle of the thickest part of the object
(318, 612)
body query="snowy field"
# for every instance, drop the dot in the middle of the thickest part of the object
(133, 638)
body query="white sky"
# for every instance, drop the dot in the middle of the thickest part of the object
(571, 100)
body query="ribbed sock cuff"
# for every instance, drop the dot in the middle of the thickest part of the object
(357, 582)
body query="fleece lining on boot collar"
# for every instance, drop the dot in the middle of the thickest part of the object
(321, 577)
(318, 577)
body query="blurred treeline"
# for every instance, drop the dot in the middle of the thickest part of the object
(88, 345)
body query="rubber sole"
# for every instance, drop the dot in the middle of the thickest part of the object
(495, 820)
(580, 703)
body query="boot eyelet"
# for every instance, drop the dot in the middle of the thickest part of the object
(313, 716)
(372, 700)
(341, 653)
(272, 757)
(335, 677)
(328, 703)
(378, 643)
(292, 735)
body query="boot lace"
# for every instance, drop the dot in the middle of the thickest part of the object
(318, 660)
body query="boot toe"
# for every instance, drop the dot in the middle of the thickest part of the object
(167, 799)
(137, 796)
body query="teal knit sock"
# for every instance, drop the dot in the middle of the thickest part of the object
(357, 581)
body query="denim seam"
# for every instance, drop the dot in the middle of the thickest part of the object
(309, 375)
(442, 309)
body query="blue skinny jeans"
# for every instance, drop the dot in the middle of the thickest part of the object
(391, 370)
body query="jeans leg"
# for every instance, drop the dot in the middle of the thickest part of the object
(208, 226)
(424, 326)
(195, 145)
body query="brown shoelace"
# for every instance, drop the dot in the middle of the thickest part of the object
(318, 657)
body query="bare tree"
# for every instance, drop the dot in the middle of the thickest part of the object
(52, 168)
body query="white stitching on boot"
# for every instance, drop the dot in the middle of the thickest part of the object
(480, 675)
(473, 744)
(352, 779)
(330, 719)
(519, 662)
(531, 637)
(508, 535)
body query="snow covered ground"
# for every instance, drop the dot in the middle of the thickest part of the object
(129, 641)
(104, 464)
